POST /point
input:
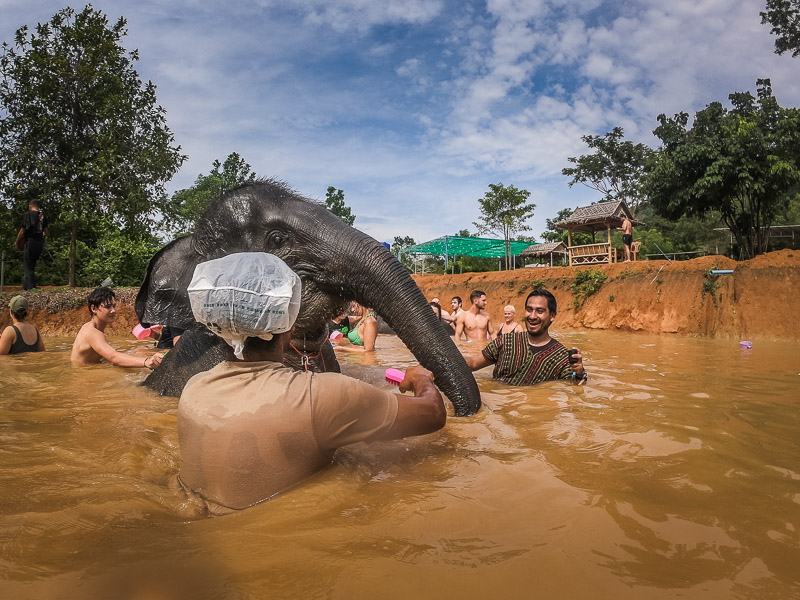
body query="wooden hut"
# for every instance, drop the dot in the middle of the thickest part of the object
(603, 216)
(546, 250)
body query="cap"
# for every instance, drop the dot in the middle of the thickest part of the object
(247, 294)
(18, 303)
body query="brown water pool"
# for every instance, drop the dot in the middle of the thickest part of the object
(675, 473)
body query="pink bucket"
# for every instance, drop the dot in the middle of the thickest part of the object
(141, 333)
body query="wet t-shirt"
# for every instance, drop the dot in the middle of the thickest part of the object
(248, 430)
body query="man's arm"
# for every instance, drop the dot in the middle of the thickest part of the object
(19, 243)
(99, 344)
(477, 361)
(489, 328)
(422, 413)
(459, 326)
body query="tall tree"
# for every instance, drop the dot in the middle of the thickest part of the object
(553, 233)
(616, 168)
(743, 162)
(784, 16)
(334, 200)
(80, 127)
(504, 210)
(193, 201)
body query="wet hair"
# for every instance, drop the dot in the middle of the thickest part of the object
(20, 314)
(100, 296)
(457, 298)
(476, 294)
(438, 308)
(254, 344)
(552, 306)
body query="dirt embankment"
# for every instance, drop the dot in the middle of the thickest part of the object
(61, 312)
(758, 300)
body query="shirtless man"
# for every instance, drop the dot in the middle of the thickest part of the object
(450, 318)
(627, 236)
(475, 323)
(91, 345)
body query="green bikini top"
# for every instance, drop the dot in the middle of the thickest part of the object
(353, 336)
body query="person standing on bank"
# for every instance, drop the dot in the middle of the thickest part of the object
(627, 236)
(30, 239)
(20, 336)
(531, 356)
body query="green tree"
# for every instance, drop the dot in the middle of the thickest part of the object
(504, 210)
(616, 169)
(553, 233)
(784, 16)
(80, 129)
(194, 201)
(334, 200)
(398, 247)
(741, 162)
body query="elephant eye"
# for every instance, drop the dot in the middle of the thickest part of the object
(276, 239)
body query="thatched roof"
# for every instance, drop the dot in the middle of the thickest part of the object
(596, 217)
(539, 250)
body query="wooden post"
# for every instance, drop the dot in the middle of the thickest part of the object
(569, 242)
(608, 236)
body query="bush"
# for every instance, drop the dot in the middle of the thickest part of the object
(586, 283)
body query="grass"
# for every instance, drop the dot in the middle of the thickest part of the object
(710, 284)
(586, 284)
(531, 285)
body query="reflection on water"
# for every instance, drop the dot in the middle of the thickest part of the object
(674, 472)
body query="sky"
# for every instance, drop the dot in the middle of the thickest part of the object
(413, 107)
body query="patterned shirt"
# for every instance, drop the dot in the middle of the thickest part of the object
(519, 363)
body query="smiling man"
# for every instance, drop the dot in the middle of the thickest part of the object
(531, 356)
(91, 345)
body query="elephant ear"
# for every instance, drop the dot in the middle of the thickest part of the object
(163, 298)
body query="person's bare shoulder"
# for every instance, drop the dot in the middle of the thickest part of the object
(83, 348)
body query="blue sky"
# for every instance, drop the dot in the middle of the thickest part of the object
(413, 107)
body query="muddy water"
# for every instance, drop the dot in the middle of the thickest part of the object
(674, 473)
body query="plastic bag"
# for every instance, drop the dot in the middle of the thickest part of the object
(249, 294)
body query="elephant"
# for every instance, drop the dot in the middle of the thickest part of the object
(336, 264)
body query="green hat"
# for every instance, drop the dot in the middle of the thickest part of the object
(18, 303)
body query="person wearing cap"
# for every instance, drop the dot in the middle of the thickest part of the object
(250, 427)
(91, 345)
(20, 336)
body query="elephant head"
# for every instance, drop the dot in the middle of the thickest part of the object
(336, 264)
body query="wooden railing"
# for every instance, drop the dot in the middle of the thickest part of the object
(591, 254)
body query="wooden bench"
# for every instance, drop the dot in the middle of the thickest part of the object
(590, 254)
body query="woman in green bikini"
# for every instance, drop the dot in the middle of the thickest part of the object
(365, 329)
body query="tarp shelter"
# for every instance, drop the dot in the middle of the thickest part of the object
(545, 250)
(451, 246)
(590, 219)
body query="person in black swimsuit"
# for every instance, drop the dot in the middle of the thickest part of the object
(510, 324)
(20, 336)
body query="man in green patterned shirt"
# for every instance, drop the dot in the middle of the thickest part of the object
(533, 356)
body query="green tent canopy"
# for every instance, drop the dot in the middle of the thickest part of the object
(451, 245)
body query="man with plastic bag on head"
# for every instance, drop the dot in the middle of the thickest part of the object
(251, 427)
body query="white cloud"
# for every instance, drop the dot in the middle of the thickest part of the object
(413, 106)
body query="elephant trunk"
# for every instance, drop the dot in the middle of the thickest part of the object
(376, 279)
